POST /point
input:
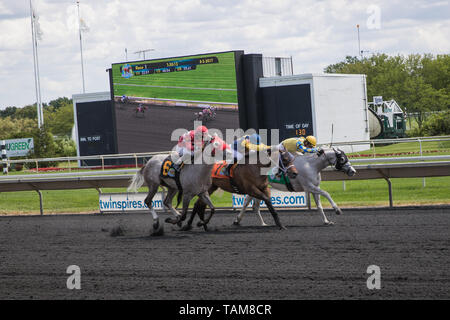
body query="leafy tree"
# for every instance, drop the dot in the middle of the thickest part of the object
(44, 147)
(60, 120)
(419, 83)
(60, 102)
(8, 112)
(437, 124)
(29, 112)
(44, 144)
(66, 147)
(16, 128)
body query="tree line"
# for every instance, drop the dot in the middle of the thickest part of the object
(51, 140)
(419, 83)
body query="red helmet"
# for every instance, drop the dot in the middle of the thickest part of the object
(201, 129)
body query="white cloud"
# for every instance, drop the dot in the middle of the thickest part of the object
(314, 33)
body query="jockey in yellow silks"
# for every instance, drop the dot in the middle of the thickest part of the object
(300, 145)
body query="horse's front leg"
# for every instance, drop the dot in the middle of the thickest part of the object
(316, 189)
(265, 196)
(186, 199)
(207, 200)
(256, 210)
(197, 207)
(317, 192)
(320, 209)
(240, 215)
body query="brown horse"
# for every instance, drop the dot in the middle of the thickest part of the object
(247, 179)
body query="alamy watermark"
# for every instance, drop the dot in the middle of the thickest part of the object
(224, 147)
(374, 280)
(374, 19)
(74, 280)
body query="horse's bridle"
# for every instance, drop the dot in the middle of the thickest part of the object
(341, 158)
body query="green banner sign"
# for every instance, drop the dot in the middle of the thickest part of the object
(19, 147)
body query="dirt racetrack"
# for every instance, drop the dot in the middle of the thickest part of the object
(307, 261)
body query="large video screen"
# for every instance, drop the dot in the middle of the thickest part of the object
(204, 78)
(151, 131)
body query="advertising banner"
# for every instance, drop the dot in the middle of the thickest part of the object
(19, 147)
(121, 202)
(280, 199)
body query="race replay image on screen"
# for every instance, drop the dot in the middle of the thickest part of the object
(154, 97)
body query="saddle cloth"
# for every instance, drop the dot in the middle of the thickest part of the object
(219, 168)
(167, 169)
(281, 179)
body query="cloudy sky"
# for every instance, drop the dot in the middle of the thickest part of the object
(315, 33)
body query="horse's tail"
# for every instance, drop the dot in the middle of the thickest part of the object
(137, 181)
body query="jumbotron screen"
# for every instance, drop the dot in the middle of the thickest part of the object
(198, 78)
(163, 95)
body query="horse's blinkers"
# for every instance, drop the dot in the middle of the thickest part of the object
(341, 159)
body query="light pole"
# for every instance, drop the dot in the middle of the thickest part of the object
(81, 46)
(359, 43)
(35, 34)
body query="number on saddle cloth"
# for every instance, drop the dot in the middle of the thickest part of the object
(167, 168)
(223, 170)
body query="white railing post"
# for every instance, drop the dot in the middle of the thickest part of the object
(421, 154)
(373, 146)
(4, 157)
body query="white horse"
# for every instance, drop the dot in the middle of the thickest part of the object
(195, 180)
(308, 180)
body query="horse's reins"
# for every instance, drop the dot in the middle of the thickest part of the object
(335, 163)
(322, 152)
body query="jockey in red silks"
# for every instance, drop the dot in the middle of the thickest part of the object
(191, 142)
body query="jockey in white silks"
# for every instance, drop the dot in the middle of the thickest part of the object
(190, 142)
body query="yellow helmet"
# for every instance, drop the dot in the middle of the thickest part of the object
(312, 140)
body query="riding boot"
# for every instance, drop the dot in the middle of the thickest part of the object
(227, 170)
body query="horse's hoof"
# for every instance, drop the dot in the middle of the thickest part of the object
(282, 227)
(186, 227)
(172, 221)
(236, 223)
(338, 211)
(329, 223)
(158, 231)
(200, 224)
(265, 225)
(205, 227)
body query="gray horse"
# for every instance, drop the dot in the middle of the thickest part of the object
(308, 179)
(195, 180)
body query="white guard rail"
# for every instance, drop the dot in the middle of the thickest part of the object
(121, 178)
